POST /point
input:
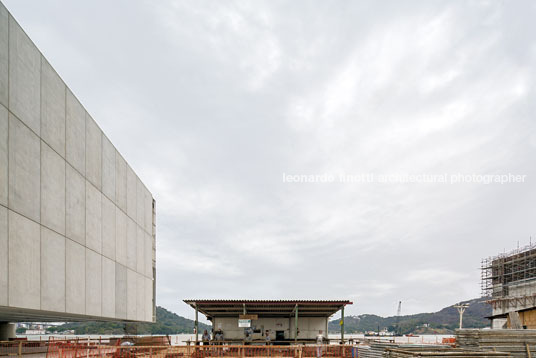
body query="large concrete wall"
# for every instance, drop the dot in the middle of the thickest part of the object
(77, 231)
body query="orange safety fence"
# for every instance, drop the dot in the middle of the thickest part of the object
(19, 347)
(230, 351)
(450, 341)
(71, 349)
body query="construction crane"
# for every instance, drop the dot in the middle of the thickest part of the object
(397, 321)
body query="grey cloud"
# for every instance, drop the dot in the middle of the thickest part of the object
(211, 102)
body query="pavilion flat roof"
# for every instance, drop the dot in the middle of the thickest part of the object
(267, 308)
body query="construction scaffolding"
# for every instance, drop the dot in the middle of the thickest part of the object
(510, 278)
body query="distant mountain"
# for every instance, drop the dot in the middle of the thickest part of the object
(444, 321)
(166, 323)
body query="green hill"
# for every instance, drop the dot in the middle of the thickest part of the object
(444, 321)
(166, 323)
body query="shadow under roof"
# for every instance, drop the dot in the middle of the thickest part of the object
(267, 308)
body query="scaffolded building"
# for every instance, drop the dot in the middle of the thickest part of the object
(509, 280)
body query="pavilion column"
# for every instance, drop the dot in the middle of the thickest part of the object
(196, 325)
(244, 312)
(296, 324)
(342, 325)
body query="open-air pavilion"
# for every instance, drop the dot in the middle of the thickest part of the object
(285, 321)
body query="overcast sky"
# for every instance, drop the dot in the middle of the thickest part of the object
(211, 102)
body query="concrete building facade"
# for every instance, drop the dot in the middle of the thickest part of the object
(77, 225)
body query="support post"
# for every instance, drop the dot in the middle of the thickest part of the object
(7, 331)
(245, 329)
(196, 326)
(342, 325)
(296, 325)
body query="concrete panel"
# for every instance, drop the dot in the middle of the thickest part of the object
(93, 218)
(108, 228)
(108, 168)
(75, 201)
(140, 297)
(148, 259)
(93, 152)
(24, 77)
(140, 251)
(3, 256)
(3, 54)
(24, 262)
(3, 155)
(24, 170)
(75, 133)
(132, 298)
(132, 253)
(93, 283)
(52, 108)
(140, 203)
(132, 182)
(120, 181)
(148, 211)
(75, 277)
(52, 189)
(120, 291)
(148, 299)
(52, 271)
(120, 237)
(76, 209)
(108, 287)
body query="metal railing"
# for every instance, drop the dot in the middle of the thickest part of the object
(228, 351)
(152, 346)
(20, 347)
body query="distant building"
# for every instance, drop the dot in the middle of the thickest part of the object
(285, 321)
(36, 332)
(77, 225)
(509, 280)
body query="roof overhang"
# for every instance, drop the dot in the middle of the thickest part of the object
(505, 314)
(267, 308)
(15, 314)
